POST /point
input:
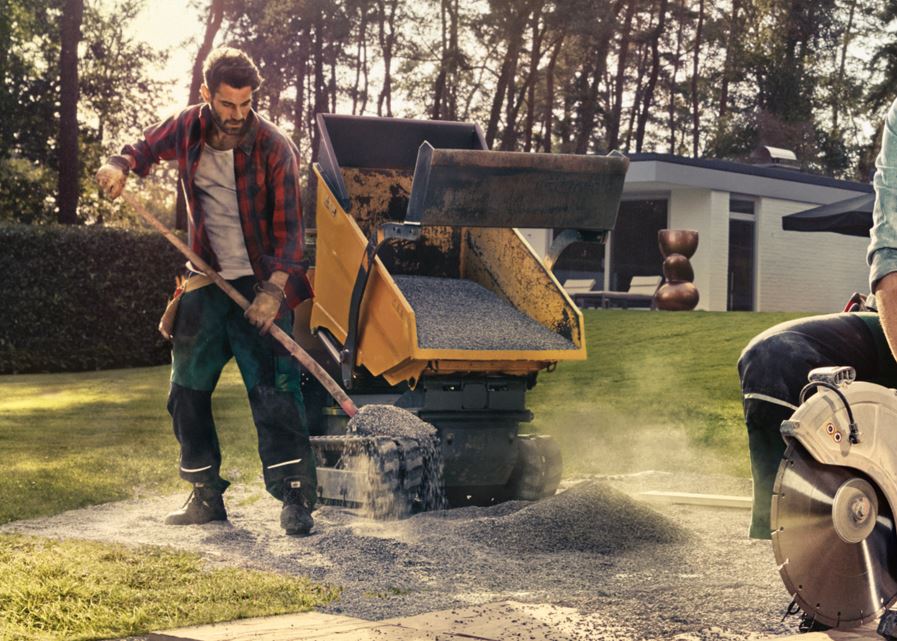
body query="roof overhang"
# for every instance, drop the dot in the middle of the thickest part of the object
(664, 173)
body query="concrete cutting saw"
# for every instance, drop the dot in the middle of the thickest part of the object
(832, 522)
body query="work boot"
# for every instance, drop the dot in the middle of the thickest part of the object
(204, 504)
(295, 517)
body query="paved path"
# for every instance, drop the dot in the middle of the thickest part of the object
(502, 621)
(863, 633)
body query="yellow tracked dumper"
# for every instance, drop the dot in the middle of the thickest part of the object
(427, 297)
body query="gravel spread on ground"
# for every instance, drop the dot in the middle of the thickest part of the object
(455, 313)
(693, 574)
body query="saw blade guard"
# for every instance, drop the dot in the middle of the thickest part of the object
(833, 528)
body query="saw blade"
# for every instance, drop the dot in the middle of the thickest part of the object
(838, 582)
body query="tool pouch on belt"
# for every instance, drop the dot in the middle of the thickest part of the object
(166, 323)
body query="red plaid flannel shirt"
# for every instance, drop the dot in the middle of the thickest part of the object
(266, 169)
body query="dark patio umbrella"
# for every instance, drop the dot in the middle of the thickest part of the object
(852, 217)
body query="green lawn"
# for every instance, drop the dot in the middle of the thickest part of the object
(72, 590)
(70, 440)
(659, 390)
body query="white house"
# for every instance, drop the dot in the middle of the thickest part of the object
(744, 260)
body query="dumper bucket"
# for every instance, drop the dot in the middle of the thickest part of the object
(465, 293)
(387, 144)
(467, 188)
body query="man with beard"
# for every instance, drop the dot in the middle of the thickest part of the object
(240, 177)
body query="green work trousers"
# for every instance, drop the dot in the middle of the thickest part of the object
(209, 330)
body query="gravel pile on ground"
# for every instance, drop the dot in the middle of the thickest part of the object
(590, 517)
(715, 585)
(455, 313)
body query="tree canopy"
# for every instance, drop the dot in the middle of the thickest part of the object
(688, 77)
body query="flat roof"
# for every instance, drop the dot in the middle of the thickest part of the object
(665, 171)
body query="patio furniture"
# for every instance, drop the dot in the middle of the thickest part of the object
(640, 294)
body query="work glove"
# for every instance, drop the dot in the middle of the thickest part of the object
(263, 310)
(113, 175)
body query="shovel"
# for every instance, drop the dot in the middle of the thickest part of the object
(309, 363)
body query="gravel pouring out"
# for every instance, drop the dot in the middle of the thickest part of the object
(389, 420)
(397, 423)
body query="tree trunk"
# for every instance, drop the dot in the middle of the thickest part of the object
(5, 45)
(499, 98)
(731, 51)
(69, 171)
(299, 125)
(613, 126)
(509, 134)
(695, 104)
(639, 90)
(320, 90)
(387, 41)
(320, 86)
(652, 79)
(365, 92)
(548, 114)
(454, 61)
(213, 24)
(439, 85)
(535, 57)
(677, 63)
(332, 83)
(360, 58)
(838, 89)
(509, 140)
(592, 75)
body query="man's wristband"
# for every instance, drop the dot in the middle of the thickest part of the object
(268, 287)
(121, 162)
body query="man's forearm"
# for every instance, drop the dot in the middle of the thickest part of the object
(886, 301)
(279, 278)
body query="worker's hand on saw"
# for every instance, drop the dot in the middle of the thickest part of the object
(263, 310)
(111, 179)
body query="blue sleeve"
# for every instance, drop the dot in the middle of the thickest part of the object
(882, 252)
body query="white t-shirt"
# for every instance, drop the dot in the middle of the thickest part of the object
(216, 189)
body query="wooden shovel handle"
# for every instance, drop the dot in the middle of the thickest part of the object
(304, 358)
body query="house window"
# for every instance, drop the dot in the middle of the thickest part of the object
(741, 206)
(633, 248)
(741, 255)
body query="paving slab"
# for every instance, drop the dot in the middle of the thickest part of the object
(501, 621)
(863, 633)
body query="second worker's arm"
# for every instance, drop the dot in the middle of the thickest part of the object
(882, 254)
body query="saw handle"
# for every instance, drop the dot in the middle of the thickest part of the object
(304, 358)
(852, 424)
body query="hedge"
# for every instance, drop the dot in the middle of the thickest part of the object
(75, 298)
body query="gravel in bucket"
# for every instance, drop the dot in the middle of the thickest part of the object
(455, 313)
